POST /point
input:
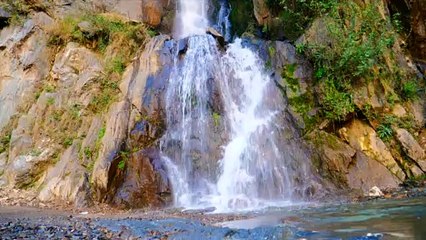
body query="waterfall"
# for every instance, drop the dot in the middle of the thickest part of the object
(191, 18)
(244, 165)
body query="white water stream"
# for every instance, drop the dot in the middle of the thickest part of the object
(252, 172)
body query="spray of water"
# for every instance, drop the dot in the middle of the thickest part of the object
(191, 18)
(253, 171)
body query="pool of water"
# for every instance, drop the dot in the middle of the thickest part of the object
(378, 219)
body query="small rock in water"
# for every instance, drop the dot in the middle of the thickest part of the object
(199, 211)
(375, 192)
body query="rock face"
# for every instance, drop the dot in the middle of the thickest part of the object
(418, 18)
(347, 167)
(261, 12)
(151, 12)
(363, 138)
(51, 138)
(412, 148)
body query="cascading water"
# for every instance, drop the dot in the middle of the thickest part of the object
(253, 167)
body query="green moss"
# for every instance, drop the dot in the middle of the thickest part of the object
(5, 142)
(67, 142)
(50, 101)
(216, 119)
(287, 75)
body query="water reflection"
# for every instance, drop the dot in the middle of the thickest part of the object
(380, 219)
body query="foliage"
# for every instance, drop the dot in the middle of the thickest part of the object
(105, 31)
(19, 9)
(384, 132)
(5, 142)
(336, 104)
(111, 36)
(356, 53)
(410, 90)
(298, 14)
(238, 16)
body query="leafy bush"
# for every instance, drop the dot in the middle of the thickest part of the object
(356, 52)
(298, 14)
(410, 90)
(384, 131)
(336, 104)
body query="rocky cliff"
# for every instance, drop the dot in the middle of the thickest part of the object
(82, 96)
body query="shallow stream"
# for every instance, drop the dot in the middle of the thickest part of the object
(377, 219)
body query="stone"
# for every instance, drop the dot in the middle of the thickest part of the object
(219, 38)
(336, 157)
(145, 182)
(365, 173)
(399, 111)
(26, 170)
(148, 75)
(418, 25)
(149, 12)
(411, 147)
(75, 67)
(262, 12)
(25, 63)
(363, 138)
(67, 180)
(87, 29)
(4, 14)
(418, 110)
(111, 144)
(375, 192)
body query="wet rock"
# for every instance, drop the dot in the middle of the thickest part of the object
(363, 138)
(418, 24)
(412, 147)
(219, 38)
(287, 64)
(375, 192)
(145, 181)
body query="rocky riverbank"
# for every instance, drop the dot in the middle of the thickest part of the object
(23, 216)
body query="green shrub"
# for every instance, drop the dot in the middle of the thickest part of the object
(384, 131)
(358, 49)
(410, 90)
(296, 15)
(336, 104)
